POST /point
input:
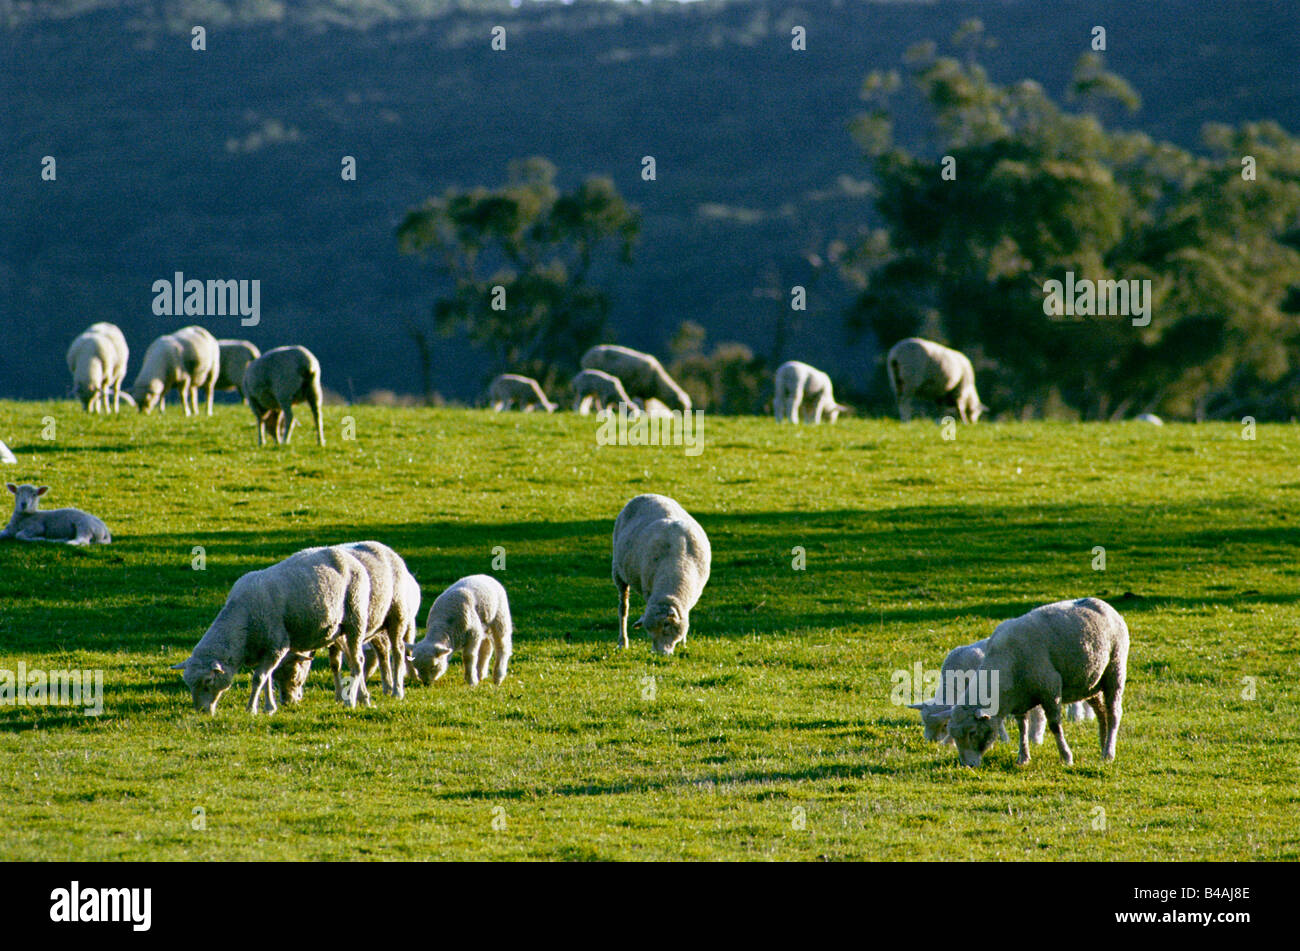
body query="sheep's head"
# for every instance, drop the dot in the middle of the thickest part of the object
(292, 676)
(147, 395)
(26, 497)
(429, 659)
(666, 624)
(973, 730)
(934, 721)
(207, 682)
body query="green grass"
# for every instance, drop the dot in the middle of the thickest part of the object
(780, 700)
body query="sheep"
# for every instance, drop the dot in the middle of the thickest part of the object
(1061, 652)
(30, 524)
(666, 554)
(641, 374)
(796, 382)
(601, 389)
(931, 371)
(652, 408)
(394, 610)
(473, 617)
(274, 382)
(313, 599)
(236, 355)
(1151, 418)
(961, 662)
(97, 360)
(188, 360)
(522, 392)
(6, 456)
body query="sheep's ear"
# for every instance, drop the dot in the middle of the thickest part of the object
(11, 487)
(982, 716)
(941, 715)
(180, 666)
(441, 650)
(216, 667)
(917, 706)
(639, 622)
(42, 490)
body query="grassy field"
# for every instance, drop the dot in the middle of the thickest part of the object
(770, 735)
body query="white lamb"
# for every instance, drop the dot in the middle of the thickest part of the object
(664, 552)
(30, 524)
(188, 360)
(236, 355)
(274, 382)
(797, 382)
(600, 389)
(642, 375)
(1057, 653)
(473, 617)
(962, 662)
(926, 370)
(313, 599)
(510, 390)
(97, 360)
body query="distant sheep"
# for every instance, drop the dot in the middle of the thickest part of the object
(664, 553)
(642, 375)
(7, 457)
(274, 382)
(1057, 653)
(30, 524)
(1151, 418)
(473, 617)
(188, 360)
(923, 369)
(236, 355)
(600, 389)
(797, 382)
(313, 599)
(521, 392)
(97, 360)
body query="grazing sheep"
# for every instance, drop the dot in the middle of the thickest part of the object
(642, 375)
(1151, 418)
(188, 360)
(394, 614)
(6, 456)
(30, 524)
(97, 360)
(962, 661)
(600, 389)
(236, 355)
(1057, 653)
(664, 552)
(473, 617)
(315, 598)
(796, 382)
(520, 392)
(274, 382)
(930, 371)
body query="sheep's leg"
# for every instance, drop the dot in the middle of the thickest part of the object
(287, 420)
(1114, 695)
(1052, 708)
(336, 667)
(314, 401)
(469, 657)
(1003, 735)
(117, 397)
(1103, 719)
(262, 682)
(212, 386)
(905, 409)
(484, 657)
(1023, 722)
(796, 405)
(502, 662)
(351, 648)
(1037, 725)
(382, 648)
(623, 591)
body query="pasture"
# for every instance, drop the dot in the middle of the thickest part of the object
(769, 735)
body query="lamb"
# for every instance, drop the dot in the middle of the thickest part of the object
(1061, 652)
(664, 552)
(796, 382)
(236, 355)
(315, 598)
(188, 360)
(30, 524)
(97, 360)
(601, 389)
(931, 371)
(522, 392)
(473, 617)
(642, 375)
(962, 662)
(274, 382)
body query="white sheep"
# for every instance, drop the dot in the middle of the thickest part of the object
(520, 392)
(642, 375)
(1057, 653)
(236, 355)
(600, 389)
(97, 360)
(664, 552)
(473, 617)
(651, 407)
(188, 360)
(963, 662)
(1151, 418)
(274, 382)
(315, 598)
(6, 456)
(30, 524)
(797, 382)
(927, 370)
(394, 615)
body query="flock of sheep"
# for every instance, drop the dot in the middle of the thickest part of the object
(359, 601)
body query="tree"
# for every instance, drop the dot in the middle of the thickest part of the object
(518, 260)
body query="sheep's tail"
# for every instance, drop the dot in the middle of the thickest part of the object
(896, 377)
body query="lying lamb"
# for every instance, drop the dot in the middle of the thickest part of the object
(664, 552)
(796, 382)
(520, 392)
(97, 360)
(642, 375)
(188, 360)
(930, 371)
(600, 389)
(236, 355)
(473, 617)
(1057, 653)
(274, 382)
(316, 598)
(30, 524)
